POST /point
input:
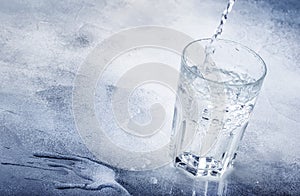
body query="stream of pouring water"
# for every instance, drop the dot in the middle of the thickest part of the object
(225, 13)
(208, 67)
(209, 48)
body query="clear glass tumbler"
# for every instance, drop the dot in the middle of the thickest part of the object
(216, 94)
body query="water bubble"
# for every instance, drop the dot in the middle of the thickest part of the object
(215, 121)
(153, 180)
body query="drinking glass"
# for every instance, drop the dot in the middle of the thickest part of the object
(217, 90)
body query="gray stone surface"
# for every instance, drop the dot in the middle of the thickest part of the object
(43, 43)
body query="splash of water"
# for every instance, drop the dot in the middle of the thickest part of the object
(96, 175)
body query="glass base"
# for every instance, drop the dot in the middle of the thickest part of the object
(202, 166)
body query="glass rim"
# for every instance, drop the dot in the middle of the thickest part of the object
(225, 82)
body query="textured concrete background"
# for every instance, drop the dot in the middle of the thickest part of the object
(43, 43)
